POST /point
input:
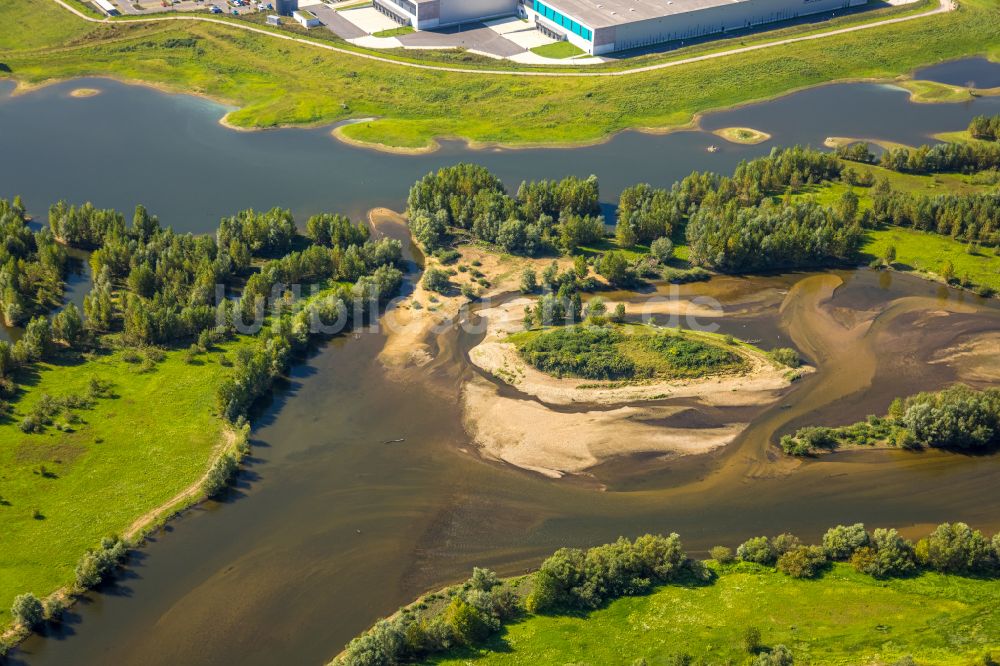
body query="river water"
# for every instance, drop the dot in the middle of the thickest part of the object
(330, 527)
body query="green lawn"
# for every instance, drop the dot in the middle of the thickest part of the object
(275, 82)
(131, 453)
(844, 618)
(560, 50)
(394, 32)
(927, 253)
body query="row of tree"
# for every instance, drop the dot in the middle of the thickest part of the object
(969, 217)
(938, 158)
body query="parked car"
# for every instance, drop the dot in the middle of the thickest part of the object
(215, 9)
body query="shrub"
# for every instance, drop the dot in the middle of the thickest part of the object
(54, 608)
(721, 554)
(529, 281)
(467, 624)
(803, 562)
(382, 645)
(841, 541)
(757, 549)
(220, 474)
(27, 610)
(785, 542)
(779, 656)
(95, 565)
(786, 356)
(750, 640)
(890, 555)
(662, 249)
(437, 280)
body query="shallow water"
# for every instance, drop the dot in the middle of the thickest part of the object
(330, 527)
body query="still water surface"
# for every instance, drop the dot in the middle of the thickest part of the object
(331, 528)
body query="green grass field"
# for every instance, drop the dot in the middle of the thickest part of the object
(394, 32)
(558, 50)
(132, 453)
(843, 618)
(274, 82)
(927, 253)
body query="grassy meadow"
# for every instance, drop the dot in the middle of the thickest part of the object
(274, 82)
(842, 618)
(64, 489)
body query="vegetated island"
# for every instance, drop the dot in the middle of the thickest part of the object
(89, 466)
(80, 93)
(958, 418)
(743, 135)
(857, 597)
(600, 364)
(294, 83)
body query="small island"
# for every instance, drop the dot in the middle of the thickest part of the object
(743, 135)
(80, 93)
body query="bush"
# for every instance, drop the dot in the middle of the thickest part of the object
(803, 562)
(54, 608)
(721, 554)
(759, 550)
(662, 249)
(842, 541)
(97, 563)
(750, 640)
(529, 281)
(220, 474)
(786, 356)
(779, 656)
(785, 542)
(27, 610)
(467, 624)
(437, 280)
(890, 555)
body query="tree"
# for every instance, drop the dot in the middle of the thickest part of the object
(466, 622)
(580, 267)
(889, 555)
(956, 548)
(596, 309)
(613, 267)
(625, 234)
(619, 314)
(842, 541)
(144, 225)
(750, 640)
(68, 325)
(889, 254)
(27, 610)
(529, 281)
(757, 549)
(802, 562)
(437, 280)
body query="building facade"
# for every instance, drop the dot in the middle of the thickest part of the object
(604, 26)
(427, 14)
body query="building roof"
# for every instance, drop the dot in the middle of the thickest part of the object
(605, 13)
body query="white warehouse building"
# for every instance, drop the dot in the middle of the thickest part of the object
(605, 26)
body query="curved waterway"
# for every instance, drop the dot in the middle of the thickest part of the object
(335, 522)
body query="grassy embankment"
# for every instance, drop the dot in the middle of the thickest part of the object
(276, 82)
(558, 50)
(628, 352)
(843, 617)
(66, 488)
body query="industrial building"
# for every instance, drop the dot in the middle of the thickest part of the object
(605, 26)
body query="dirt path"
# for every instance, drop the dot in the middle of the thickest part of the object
(943, 7)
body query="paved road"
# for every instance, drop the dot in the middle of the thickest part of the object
(945, 6)
(337, 24)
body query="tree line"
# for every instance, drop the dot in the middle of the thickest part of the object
(938, 158)
(575, 580)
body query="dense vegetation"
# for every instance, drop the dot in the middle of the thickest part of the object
(32, 267)
(173, 320)
(985, 127)
(965, 157)
(467, 622)
(624, 352)
(958, 418)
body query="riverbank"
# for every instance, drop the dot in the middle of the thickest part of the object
(843, 617)
(286, 83)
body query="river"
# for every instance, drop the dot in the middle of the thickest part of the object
(331, 527)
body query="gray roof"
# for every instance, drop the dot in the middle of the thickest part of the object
(604, 13)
